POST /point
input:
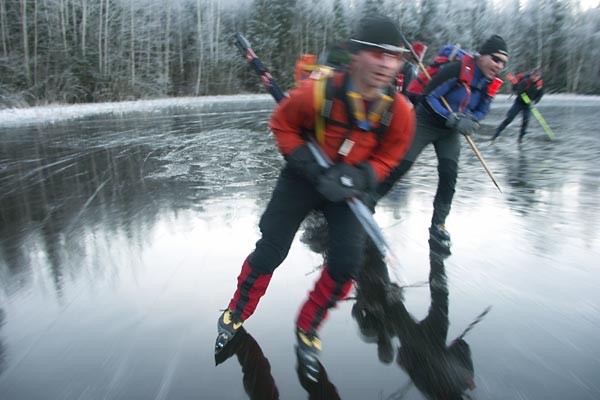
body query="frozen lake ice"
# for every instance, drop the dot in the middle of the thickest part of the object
(123, 228)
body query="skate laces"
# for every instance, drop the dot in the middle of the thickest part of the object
(439, 231)
(230, 322)
(308, 342)
(440, 228)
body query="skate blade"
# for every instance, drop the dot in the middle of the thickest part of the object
(222, 340)
(309, 366)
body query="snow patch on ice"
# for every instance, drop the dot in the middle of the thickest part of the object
(13, 117)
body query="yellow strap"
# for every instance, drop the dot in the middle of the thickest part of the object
(382, 105)
(319, 95)
(358, 107)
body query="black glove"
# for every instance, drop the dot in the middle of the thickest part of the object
(302, 162)
(370, 199)
(462, 123)
(343, 181)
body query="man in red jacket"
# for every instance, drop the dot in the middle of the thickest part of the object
(368, 127)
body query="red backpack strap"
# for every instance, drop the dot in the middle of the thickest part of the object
(467, 69)
(465, 77)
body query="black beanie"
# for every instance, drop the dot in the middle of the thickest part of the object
(377, 31)
(495, 44)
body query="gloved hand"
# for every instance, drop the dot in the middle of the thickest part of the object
(302, 161)
(342, 181)
(370, 199)
(462, 123)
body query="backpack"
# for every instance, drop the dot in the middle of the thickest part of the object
(322, 72)
(329, 87)
(448, 53)
(520, 77)
(307, 67)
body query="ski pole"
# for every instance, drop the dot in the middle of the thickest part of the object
(265, 76)
(467, 137)
(362, 212)
(473, 323)
(538, 116)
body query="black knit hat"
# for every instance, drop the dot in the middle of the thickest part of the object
(377, 31)
(495, 44)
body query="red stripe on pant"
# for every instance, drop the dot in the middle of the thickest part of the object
(251, 287)
(324, 296)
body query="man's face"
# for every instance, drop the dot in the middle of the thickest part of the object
(376, 68)
(492, 64)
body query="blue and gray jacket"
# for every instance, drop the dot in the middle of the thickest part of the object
(470, 98)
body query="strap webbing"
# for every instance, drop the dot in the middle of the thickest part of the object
(319, 94)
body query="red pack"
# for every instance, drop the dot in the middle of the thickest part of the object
(447, 54)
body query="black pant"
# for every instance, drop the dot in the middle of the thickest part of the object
(293, 198)
(516, 108)
(447, 149)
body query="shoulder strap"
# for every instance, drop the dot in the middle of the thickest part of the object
(326, 90)
(333, 88)
(383, 113)
(378, 115)
(467, 69)
(319, 100)
(450, 71)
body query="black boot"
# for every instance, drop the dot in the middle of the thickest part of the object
(308, 351)
(228, 325)
(439, 238)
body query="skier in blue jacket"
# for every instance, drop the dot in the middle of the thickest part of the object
(466, 87)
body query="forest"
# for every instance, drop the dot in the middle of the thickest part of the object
(74, 51)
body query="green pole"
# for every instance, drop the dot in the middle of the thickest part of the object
(538, 116)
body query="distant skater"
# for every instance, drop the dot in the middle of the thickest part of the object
(529, 89)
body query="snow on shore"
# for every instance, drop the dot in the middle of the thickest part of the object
(14, 117)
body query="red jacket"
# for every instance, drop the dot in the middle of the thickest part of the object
(296, 114)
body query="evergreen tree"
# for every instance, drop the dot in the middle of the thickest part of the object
(372, 7)
(260, 33)
(408, 19)
(555, 64)
(84, 50)
(430, 23)
(340, 27)
(284, 55)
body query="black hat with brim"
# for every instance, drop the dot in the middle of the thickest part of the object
(378, 32)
